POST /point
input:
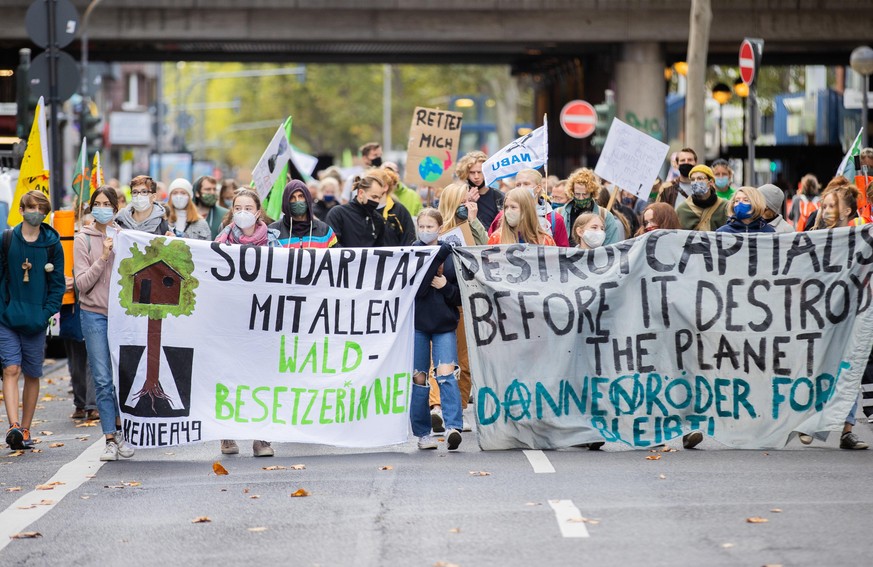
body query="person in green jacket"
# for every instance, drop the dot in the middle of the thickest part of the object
(206, 199)
(32, 286)
(406, 196)
(705, 210)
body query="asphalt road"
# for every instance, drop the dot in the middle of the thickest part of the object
(400, 506)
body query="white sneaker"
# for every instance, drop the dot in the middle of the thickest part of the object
(229, 447)
(453, 439)
(804, 438)
(125, 449)
(436, 421)
(427, 442)
(110, 452)
(466, 425)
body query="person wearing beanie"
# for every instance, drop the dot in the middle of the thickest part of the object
(298, 227)
(704, 210)
(182, 215)
(773, 198)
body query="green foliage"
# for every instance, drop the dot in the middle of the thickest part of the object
(177, 255)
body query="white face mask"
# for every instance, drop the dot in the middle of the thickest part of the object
(244, 219)
(428, 236)
(512, 217)
(593, 238)
(141, 202)
(180, 201)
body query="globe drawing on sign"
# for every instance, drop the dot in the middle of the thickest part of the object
(430, 169)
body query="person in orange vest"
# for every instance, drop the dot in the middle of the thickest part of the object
(806, 202)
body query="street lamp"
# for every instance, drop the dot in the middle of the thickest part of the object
(722, 94)
(861, 61)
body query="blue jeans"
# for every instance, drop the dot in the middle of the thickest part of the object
(850, 419)
(442, 348)
(96, 340)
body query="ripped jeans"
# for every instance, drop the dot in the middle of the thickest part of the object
(441, 348)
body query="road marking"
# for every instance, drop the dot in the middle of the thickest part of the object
(570, 519)
(14, 520)
(539, 461)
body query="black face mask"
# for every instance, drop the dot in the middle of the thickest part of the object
(481, 185)
(685, 169)
(376, 161)
(462, 213)
(371, 205)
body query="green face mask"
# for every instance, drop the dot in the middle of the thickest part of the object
(299, 208)
(33, 218)
(584, 204)
(208, 199)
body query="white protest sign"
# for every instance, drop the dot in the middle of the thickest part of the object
(270, 165)
(304, 163)
(631, 159)
(747, 338)
(215, 341)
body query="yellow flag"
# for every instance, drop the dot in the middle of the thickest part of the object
(34, 172)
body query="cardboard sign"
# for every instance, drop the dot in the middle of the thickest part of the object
(433, 146)
(460, 235)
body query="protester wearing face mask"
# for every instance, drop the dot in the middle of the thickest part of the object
(436, 318)
(489, 201)
(205, 196)
(399, 225)
(144, 213)
(520, 223)
(679, 188)
(329, 188)
(456, 208)
(551, 221)
(658, 216)
(724, 177)
(704, 211)
(589, 231)
(747, 209)
(298, 227)
(182, 215)
(584, 187)
(774, 197)
(225, 195)
(32, 285)
(358, 224)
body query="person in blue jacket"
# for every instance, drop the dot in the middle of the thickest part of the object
(32, 285)
(746, 212)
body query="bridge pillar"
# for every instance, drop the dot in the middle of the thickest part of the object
(640, 87)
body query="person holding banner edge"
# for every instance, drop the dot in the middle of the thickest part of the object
(436, 318)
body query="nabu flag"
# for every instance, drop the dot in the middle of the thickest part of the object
(528, 152)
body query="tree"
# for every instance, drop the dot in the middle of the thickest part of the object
(698, 48)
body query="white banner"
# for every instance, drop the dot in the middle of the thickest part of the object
(747, 338)
(214, 341)
(528, 152)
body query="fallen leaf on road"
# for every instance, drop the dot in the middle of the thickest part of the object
(254, 496)
(258, 529)
(46, 433)
(16, 453)
(299, 493)
(45, 487)
(455, 530)
(757, 520)
(386, 468)
(534, 504)
(581, 520)
(201, 520)
(245, 490)
(169, 453)
(773, 565)
(36, 450)
(653, 458)
(56, 483)
(88, 424)
(662, 476)
(113, 486)
(766, 454)
(218, 469)
(480, 473)
(55, 445)
(84, 497)
(90, 476)
(666, 449)
(776, 510)
(13, 489)
(28, 507)
(727, 545)
(445, 564)
(25, 535)
(132, 483)
(45, 502)
(275, 468)
(298, 467)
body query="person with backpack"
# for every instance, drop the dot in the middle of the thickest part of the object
(32, 286)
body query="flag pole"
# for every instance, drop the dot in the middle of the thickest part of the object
(546, 148)
(83, 154)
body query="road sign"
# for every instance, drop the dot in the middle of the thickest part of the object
(68, 76)
(578, 119)
(750, 59)
(66, 22)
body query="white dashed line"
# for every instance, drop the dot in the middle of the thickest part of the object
(71, 476)
(570, 520)
(539, 461)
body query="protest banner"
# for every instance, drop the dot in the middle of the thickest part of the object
(273, 162)
(214, 341)
(433, 147)
(527, 152)
(631, 159)
(746, 338)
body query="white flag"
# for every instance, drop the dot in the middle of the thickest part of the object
(528, 152)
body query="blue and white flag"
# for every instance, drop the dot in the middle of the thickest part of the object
(528, 152)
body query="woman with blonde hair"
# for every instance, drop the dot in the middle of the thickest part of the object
(746, 209)
(520, 223)
(182, 215)
(456, 208)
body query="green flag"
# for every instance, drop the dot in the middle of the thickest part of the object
(273, 202)
(847, 166)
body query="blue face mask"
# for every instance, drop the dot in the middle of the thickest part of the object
(722, 182)
(557, 205)
(102, 214)
(742, 211)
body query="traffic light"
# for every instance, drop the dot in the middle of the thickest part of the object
(92, 126)
(605, 114)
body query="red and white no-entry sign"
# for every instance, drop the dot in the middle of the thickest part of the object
(750, 54)
(578, 119)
